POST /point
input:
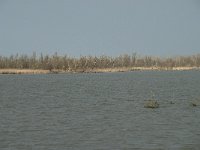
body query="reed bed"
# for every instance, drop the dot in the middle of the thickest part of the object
(34, 64)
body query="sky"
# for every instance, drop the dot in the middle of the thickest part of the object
(100, 27)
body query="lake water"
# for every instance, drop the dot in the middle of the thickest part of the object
(100, 111)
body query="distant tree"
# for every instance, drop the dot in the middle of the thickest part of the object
(90, 62)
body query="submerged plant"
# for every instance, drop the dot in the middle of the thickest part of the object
(195, 103)
(151, 103)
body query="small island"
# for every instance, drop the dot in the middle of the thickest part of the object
(34, 64)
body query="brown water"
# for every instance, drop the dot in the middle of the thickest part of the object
(99, 111)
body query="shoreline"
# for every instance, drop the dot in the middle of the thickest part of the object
(97, 70)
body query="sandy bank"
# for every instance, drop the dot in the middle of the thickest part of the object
(23, 71)
(142, 69)
(125, 69)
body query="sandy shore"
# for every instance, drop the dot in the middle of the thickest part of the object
(141, 69)
(23, 71)
(125, 69)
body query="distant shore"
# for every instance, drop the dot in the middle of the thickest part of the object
(96, 70)
(23, 71)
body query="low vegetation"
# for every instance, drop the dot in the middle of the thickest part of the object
(90, 63)
(151, 104)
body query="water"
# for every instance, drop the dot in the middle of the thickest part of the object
(99, 111)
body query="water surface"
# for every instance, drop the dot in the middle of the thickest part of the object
(99, 111)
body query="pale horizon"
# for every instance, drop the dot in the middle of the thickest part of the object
(106, 27)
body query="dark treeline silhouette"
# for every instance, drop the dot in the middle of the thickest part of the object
(67, 63)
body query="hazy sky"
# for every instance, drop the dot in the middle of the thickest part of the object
(96, 27)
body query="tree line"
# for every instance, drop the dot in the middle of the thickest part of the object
(67, 63)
